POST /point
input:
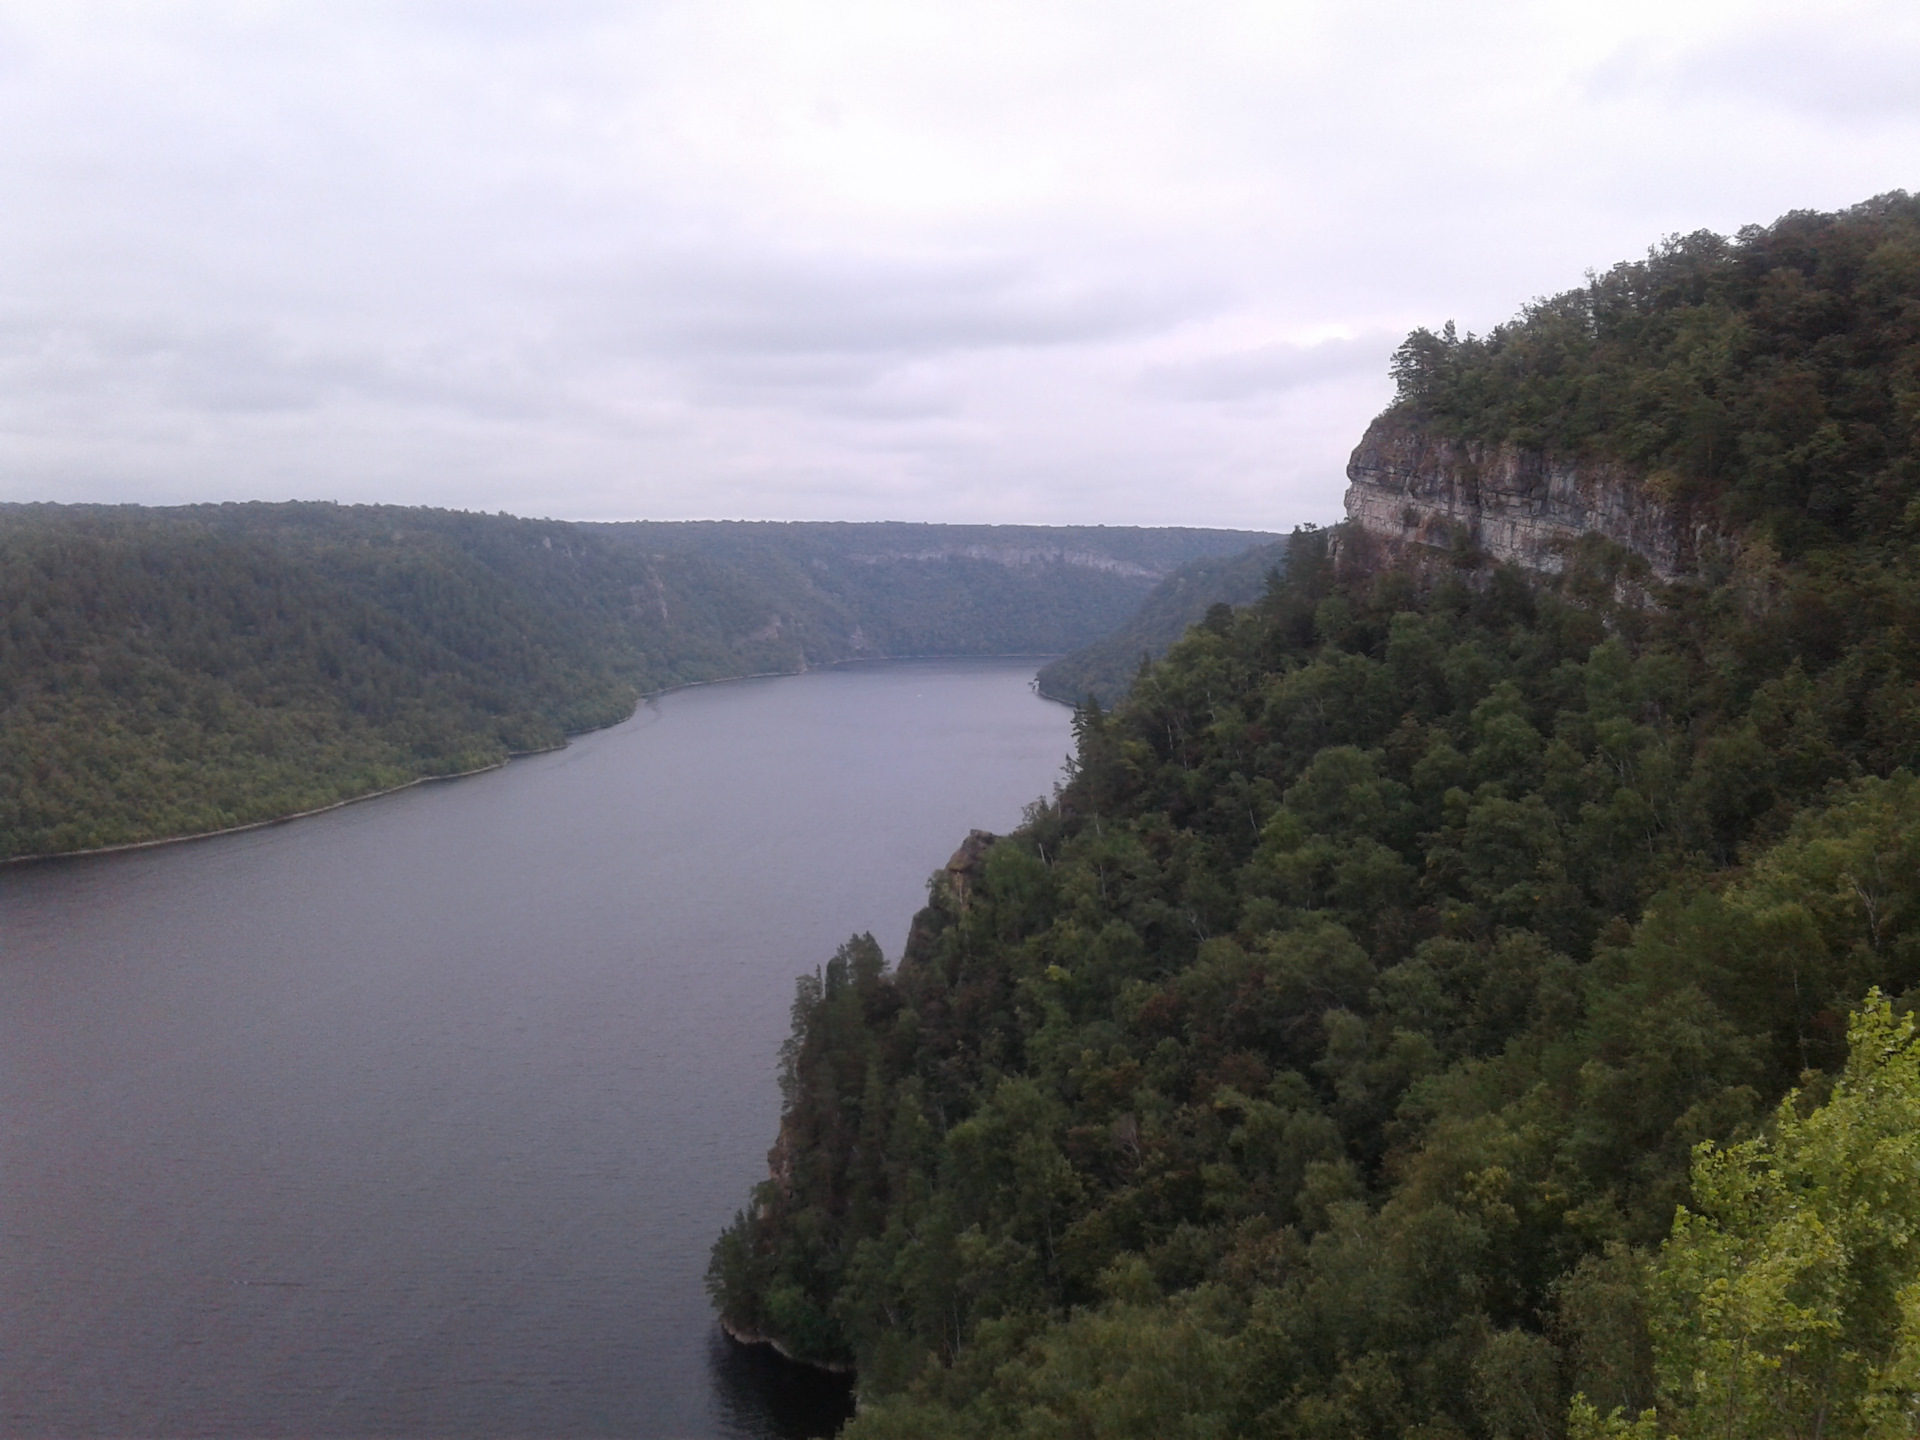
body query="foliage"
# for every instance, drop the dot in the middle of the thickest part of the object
(1330, 1055)
(166, 672)
(1773, 378)
(1103, 670)
(1787, 1302)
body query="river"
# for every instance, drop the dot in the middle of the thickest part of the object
(418, 1117)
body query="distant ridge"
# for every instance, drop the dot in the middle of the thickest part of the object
(1105, 669)
(177, 671)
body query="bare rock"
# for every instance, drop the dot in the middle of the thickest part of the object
(1413, 487)
(964, 867)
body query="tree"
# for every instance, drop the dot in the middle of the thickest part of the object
(1788, 1303)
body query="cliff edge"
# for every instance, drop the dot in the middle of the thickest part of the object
(1412, 486)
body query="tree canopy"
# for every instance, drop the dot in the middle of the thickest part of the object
(167, 672)
(1771, 379)
(1332, 1054)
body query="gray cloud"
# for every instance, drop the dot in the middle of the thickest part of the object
(1822, 69)
(851, 304)
(240, 368)
(1269, 369)
(968, 261)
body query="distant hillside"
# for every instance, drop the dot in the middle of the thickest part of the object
(942, 589)
(173, 671)
(1106, 668)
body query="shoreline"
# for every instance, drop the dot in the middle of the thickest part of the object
(643, 698)
(785, 1354)
(287, 819)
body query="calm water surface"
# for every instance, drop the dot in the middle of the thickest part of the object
(418, 1118)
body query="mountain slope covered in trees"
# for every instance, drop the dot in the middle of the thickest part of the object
(1103, 670)
(168, 672)
(1333, 1054)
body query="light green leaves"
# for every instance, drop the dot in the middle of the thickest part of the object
(1786, 1303)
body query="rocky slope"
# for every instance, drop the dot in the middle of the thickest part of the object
(1413, 486)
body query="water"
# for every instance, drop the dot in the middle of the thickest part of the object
(417, 1118)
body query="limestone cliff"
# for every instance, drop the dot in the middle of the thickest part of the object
(1411, 486)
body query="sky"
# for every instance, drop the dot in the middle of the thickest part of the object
(1038, 262)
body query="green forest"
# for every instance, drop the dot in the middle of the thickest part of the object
(175, 671)
(1103, 670)
(1442, 1001)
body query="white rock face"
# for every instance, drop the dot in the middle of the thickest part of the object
(1410, 486)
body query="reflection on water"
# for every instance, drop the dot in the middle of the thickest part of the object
(418, 1118)
(761, 1392)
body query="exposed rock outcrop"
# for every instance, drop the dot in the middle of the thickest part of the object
(1411, 486)
(949, 893)
(1015, 556)
(964, 868)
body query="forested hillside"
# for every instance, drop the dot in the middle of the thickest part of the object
(168, 672)
(1769, 382)
(1103, 670)
(1440, 1002)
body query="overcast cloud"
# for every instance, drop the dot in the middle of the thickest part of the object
(812, 259)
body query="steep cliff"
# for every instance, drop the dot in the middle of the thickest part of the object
(1414, 486)
(1765, 385)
